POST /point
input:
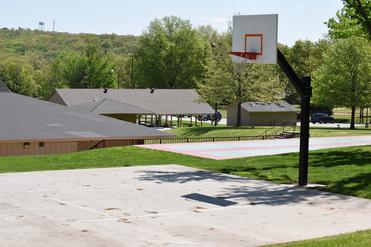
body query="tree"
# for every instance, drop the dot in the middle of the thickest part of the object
(17, 76)
(344, 78)
(89, 69)
(253, 82)
(305, 57)
(226, 81)
(352, 20)
(214, 88)
(170, 55)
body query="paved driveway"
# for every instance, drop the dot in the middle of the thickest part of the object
(167, 205)
(239, 149)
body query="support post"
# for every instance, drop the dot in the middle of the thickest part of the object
(304, 132)
(305, 90)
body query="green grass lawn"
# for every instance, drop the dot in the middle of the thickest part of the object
(223, 131)
(343, 170)
(323, 132)
(219, 131)
(357, 239)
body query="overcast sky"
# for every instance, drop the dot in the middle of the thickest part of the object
(298, 19)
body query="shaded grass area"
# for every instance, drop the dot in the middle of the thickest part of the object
(223, 131)
(343, 170)
(343, 115)
(359, 239)
(324, 132)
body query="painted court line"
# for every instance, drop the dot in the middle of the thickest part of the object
(167, 213)
(83, 208)
(74, 205)
(80, 188)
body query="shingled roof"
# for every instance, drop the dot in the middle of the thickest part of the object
(3, 88)
(161, 101)
(108, 106)
(25, 119)
(268, 107)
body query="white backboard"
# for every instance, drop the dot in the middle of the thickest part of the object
(258, 34)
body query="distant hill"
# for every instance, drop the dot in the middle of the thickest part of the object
(47, 45)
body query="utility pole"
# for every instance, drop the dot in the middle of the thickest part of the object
(53, 25)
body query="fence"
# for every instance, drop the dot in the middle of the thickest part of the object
(209, 139)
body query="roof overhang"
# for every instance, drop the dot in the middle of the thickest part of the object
(81, 139)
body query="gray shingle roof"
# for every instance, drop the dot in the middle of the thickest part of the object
(161, 101)
(108, 106)
(3, 88)
(268, 107)
(24, 118)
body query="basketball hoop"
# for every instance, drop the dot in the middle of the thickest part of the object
(253, 46)
(254, 39)
(246, 55)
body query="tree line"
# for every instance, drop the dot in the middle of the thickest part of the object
(171, 53)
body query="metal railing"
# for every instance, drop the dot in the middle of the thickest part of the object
(209, 139)
(282, 129)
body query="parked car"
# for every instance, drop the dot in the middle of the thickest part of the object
(210, 117)
(321, 117)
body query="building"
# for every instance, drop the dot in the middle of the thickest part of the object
(148, 105)
(262, 114)
(32, 126)
(114, 109)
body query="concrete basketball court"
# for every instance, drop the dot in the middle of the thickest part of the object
(167, 205)
(240, 149)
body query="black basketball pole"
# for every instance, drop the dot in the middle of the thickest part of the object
(303, 86)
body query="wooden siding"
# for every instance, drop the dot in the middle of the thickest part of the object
(30, 148)
(232, 116)
(258, 118)
(270, 118)
(24, 148)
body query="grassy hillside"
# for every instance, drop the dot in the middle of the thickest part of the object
(46, 45)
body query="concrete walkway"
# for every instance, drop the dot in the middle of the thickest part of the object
(167, 205)
(240, 149)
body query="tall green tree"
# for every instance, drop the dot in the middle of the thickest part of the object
(354, 19)
(18, 77)
(170, 55)
(253, 82)
(228, 82)
(91, 68)
(214, 88)
(305, 57)
(345, 76)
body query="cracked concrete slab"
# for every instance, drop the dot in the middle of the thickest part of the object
(168, 205)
